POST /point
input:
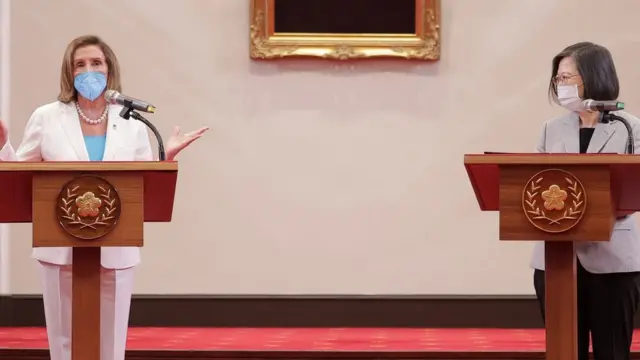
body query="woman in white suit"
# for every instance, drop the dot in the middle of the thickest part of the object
(81, 126)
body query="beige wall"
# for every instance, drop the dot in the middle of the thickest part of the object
(319, 177)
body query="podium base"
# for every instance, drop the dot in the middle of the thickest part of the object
(85, 321)
(561, 300)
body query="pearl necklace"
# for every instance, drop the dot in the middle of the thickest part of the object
(90, 121)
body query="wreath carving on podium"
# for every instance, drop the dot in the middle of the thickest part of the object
(554, 201)
(88, 207)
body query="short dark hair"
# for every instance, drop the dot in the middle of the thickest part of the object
(595, 66)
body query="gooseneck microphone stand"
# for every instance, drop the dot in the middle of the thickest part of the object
(609, 117)
(128, 112)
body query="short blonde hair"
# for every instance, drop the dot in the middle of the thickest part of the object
(68, 92)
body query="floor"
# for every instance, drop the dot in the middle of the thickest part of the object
(347, 339)
(306, 344)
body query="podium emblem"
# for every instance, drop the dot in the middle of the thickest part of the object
(88, 207)
(554, 201)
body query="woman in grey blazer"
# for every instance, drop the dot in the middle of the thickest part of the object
(608, 272)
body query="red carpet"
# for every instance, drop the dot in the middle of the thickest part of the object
(349, 339)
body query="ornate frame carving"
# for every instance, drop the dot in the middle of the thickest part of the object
(265, 44)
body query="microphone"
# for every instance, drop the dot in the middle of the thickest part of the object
(129, 107)
(114, 97)
(611, 105)
(606, 107)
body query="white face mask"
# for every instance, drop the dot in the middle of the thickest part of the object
(569, 98)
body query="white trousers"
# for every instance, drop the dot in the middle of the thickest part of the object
(115, 301)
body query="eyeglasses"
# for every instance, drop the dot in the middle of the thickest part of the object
(563, 78)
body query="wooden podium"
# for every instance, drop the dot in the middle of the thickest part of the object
(87, 205)
(559, 199)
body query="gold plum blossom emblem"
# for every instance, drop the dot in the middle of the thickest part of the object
(554, 198)
(562, 208)
(88, 207)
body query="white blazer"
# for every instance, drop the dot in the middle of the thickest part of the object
(53, 133)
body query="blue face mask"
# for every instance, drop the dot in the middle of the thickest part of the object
(90, 84)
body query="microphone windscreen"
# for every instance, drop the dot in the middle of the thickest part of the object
(110, 95)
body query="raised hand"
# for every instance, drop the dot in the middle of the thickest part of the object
(177, 142)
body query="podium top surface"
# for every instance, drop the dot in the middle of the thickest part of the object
(159, 184)
(547, 159)
(75, 166)
(484, 172)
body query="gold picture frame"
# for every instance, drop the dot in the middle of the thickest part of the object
(423, 44)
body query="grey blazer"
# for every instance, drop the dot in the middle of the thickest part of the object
(622, 253)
